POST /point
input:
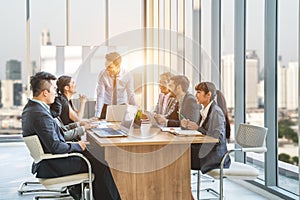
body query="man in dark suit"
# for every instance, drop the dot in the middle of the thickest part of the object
(37, 120)
(188, 108)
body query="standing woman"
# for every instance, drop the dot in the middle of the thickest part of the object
(213, 122)
(66, 88)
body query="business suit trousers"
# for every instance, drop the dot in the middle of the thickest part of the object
(104, 187)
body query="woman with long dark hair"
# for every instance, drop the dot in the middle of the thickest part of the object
(213, 122)
(66, 88)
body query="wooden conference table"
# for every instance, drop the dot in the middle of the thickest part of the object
(148, 165)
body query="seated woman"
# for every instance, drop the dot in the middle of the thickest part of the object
(167, 104)
(213, 122)
(66, 88)
(72, 131)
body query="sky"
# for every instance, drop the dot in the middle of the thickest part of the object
(51, 14)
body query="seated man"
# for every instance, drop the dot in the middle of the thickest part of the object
(37, 120)
(187, 106)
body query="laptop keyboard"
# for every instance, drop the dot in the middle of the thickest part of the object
(110, 131)
(107, 131)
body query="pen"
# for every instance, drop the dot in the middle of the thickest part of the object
(181, 115)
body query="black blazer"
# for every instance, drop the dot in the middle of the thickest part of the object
(64, 115)
(36, 120)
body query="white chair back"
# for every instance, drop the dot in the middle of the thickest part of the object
(251, 136)
(35, 147)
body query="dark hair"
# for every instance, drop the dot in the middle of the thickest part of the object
(56, 107)
(210, 87)
(181, 80)
(40, 82)
(63, 81)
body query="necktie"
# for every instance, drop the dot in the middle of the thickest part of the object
(114, 102)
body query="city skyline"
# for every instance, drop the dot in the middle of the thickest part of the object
(16, 38)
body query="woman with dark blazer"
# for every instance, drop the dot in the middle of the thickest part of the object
(213, 122)
(66, 88)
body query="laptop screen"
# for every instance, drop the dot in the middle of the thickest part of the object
(128, 118)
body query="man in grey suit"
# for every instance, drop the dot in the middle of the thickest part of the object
(188, 106)
(37, 120)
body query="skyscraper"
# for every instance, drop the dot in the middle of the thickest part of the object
(13, 70)
(252, 80)
(291, 87)
(34, 68)
(45, 37)
(10, 93)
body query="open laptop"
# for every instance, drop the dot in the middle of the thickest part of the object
(115, 113)
(125, 126)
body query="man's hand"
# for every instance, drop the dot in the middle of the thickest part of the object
(88, 126)
(83, 144)
(186, 123)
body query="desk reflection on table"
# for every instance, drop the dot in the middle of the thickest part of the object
(148, 164)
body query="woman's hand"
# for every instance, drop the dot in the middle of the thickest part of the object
(160, 119)
(82, 98)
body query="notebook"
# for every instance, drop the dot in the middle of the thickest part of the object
(125, 126)
(115, 113)
(181, 132)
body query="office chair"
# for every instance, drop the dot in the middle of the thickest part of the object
(201, 178)
(37, 153)
(250, 138)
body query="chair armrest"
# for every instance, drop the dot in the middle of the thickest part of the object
(55, 156)
(255, 149)
(65, 155)
(249, 149)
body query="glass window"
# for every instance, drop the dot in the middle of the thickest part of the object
(121, 21)
(254, 73)
(87, 22)
(287, 70)
(13, 67)
(45, 29)
(227, 58)
(206, 40)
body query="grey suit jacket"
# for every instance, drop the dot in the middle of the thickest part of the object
(72, 131)
(208, 156)
(190, 109)
(36, 120)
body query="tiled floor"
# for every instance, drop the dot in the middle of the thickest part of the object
(15, 168)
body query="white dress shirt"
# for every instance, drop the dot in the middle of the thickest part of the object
(204, 112)
(125, 90)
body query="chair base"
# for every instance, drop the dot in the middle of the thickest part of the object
(213, 192)
(22, 189)
(202, 178)
(52, 196)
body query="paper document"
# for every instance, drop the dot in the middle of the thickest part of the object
(180, 132)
